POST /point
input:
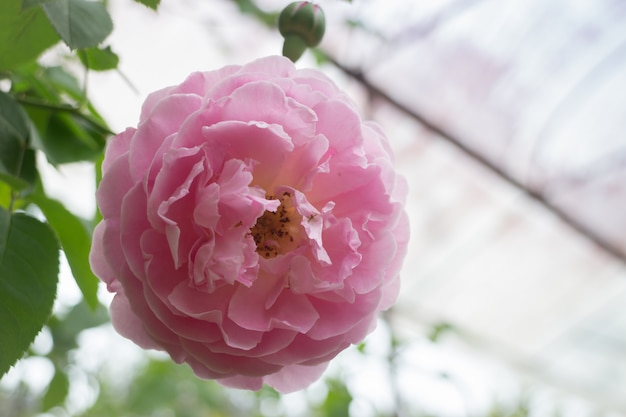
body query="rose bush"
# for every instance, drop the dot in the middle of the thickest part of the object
(253, 225)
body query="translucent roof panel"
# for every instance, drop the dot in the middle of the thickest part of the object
(518, 195)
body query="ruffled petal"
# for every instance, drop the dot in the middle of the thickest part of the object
(268, 149)
(97, 259)
(128, 324)
(267, 102)
(117, 146)
(293, 378)
(259, 308)
(165, 118)
(113, 187)
(340, 318)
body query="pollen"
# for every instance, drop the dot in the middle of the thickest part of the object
(277, 232)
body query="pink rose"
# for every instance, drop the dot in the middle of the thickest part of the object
(253, 225)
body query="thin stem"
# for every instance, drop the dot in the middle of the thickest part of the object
(27, 101)
(18, 171)
(127, 80)
(83, 99)
(392, 366)
(12, 202)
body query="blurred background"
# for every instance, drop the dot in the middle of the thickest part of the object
(508, 118)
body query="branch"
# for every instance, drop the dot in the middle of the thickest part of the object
(33, 102)
(533, 195)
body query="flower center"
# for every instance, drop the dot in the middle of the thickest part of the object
(277, 232)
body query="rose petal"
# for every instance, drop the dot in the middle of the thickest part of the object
(248, 308)
(117, 146)
(272, 342)
(133, 224)
(113, 187)
(304, 163)
(267, 102)
(242, 382)
(269, 147)
(128, 324)
(228, 364)
(274, 66)
(165, 118)
(341, 124)
(304, 349)
(97, 259)
(340, 318)
(295, 377)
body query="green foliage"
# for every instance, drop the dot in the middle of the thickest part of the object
(6, 194)
(249, 7)
(26, 4)
(439, 330)
(44, 110)
(29, 265)
(80, 23)
(29, 27)
(57, 390)
(64, 132)
(98, 171)
(153, 4)
(25, 32)
(13, 127)
(17, 164)
(75, 241)
(164, 388)
(69, 137)
(99, 59)
(337, 403)
(66, 328)
(521, 410)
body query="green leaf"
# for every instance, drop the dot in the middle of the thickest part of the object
(53, 89)
(26, 4)
(6, 195)
(337, 403)
(27, 172)
(153, 4)
(98, 168)
(29, 268)
(59, 80)
(9, 199)
(249, 7)
(57, 391)
(65, 329)
(99, 59)
(17, 162)
(80, 23)
(24, 34)
(439, 330)
(69, 137)
(75, 241)
(13, 125)
(64, 132)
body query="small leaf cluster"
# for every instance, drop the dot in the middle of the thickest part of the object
(44, 111)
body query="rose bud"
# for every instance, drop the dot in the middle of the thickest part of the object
(302, 24)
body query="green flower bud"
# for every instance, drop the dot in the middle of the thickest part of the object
(302, 24)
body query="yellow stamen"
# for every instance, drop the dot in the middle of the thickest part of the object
(277, 232)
